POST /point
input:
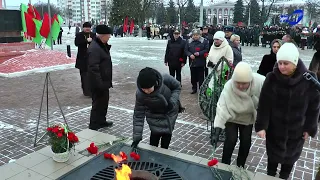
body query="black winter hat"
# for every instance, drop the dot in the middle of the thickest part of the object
(86, 25)
(147, 78)
(103, 29)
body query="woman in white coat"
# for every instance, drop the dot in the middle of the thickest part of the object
(237, 111)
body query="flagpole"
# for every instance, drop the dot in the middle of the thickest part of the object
(4, 4)
(50, 33)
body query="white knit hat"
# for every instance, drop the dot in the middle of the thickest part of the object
(288, 52)
(219, 35)
(242, 72)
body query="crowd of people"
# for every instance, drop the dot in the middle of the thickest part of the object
(278, 102)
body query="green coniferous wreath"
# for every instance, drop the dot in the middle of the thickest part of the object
(208, 98)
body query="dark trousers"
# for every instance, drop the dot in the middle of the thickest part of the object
(100, 102)
(231, 141)
(303, 43)
(284, 172)
(175, 72)
(59, 39)
(206, 72)
(155, 139)
(197, 76)
(85, 83)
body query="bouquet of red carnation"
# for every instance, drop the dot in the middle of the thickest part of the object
(61, 138)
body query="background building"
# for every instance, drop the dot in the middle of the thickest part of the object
(79, 11)
(222, 12)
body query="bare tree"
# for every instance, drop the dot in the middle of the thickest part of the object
(181, 4)
(313, 8)
(267, 6)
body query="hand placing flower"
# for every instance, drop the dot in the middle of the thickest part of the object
(92, 149)
(213, 162)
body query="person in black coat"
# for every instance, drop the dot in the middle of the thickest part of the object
(209, 37)
(82, 41)
(269, 60)
(197, 49)
(315, 62)
(60, 36)
(100, 77)
(288, 111)
(175, 57)
(157, 101)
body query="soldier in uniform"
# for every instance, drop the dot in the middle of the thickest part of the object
(256, 35)
(264, 34)
(228, 30)
(209, 37)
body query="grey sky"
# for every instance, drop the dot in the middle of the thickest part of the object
(17, 2)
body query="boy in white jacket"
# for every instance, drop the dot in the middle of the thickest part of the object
(237, 111)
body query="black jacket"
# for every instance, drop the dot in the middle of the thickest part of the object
(99, 66)
(160, 108)
(82, 44)
(175, 52)
(267, 64)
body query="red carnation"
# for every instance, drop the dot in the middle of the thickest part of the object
(205, 55)
(135, 156)
(49, 129)
(72, 137)
(180, 59)
(92, 149)
(59, 135)
(55, 130)
(197, 49)
(107, 156)
(213, 162)
(123, 156)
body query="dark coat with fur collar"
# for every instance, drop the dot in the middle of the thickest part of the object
(288, 107)
(99, 66)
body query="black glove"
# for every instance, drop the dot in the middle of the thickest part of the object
(215, 136)
(134, 144)
(210, 64)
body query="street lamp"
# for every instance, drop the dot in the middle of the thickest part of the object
(201, 14)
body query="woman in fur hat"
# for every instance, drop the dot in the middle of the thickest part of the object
(288, 111)
(236, 112)
(269, 60)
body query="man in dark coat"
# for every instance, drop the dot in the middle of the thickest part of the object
(60, 36)
(157, 101)
(100, 76)
(209, 37)
(175, 57)
(82, 41)
(197, 49)
(288, 111)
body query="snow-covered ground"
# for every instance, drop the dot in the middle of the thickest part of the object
(141, 49)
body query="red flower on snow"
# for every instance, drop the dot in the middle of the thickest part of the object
(197, 49)
(213, 162)
(92, 149)
(135, 156)
(123, 155)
